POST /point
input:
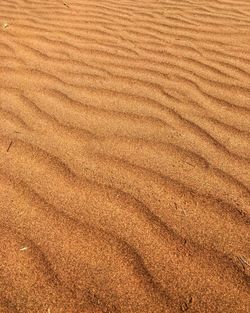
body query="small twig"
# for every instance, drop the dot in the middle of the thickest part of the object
(186, 305)
(9, 146)
(243, 260)
(66, 4)
(24, 248)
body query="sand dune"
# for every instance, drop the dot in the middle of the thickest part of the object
(124, 156)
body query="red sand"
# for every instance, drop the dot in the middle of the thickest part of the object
(124, 156)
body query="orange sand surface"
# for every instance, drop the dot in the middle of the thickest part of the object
(124, 156)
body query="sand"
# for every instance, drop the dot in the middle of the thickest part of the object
(124, 156)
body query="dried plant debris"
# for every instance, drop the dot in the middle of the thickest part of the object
(5, 25)
(24, 249)
(186, 304)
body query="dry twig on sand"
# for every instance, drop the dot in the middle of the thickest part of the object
(24, 248)
(9, 146)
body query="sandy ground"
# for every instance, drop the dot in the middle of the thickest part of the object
(124, 156)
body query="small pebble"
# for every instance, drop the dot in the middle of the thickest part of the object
(5, 25)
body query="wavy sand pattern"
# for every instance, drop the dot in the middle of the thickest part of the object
(124, 156)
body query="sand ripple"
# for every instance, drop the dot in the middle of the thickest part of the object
(124, 156)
